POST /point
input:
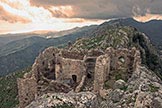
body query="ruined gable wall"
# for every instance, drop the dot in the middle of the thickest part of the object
(71, 67)
(121, 54)
(27, 90)
(124, 57)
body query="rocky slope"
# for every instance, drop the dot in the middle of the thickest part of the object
(62, 100)
(142, 90)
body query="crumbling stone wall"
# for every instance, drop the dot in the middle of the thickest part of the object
(120, 57)
(102, 69)
(70, 67)
(120, 64)
(95, 53)
(72, 54)
(44, 66)
(123, 58)
(27, 90)
(90, 63)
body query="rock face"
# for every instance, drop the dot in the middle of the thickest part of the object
(142, 90)
(62, 100)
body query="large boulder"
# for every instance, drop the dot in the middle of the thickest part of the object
(119, 84)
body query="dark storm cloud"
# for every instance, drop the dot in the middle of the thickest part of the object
(103, 9)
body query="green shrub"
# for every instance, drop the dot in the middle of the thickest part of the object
(118, 76)
(124, 88)
(106, 85)
(153, 88)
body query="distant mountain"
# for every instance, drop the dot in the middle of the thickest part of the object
(20, 54)
(153, 28)
(70, 31)
(6, 38)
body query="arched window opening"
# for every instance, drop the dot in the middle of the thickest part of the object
(89, 76)
(74, 77)
(122, 59)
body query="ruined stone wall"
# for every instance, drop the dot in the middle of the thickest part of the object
(120, 63)
(69, 67)
(72, 54)
(27, 90)
(119, 57)
(122, 58)
(95, 53)
(102, 70)
(90, 66)
(44, 65)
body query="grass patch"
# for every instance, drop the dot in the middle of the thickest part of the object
(118, 76)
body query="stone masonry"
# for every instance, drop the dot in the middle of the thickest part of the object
(57, 70)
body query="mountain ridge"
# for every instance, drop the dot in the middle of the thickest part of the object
(62, 41)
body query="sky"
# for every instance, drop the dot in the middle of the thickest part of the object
(32, 15)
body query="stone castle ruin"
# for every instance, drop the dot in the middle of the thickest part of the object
(57, 70)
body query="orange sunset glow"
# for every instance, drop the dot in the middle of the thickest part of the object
(31, 15)
(20, 16)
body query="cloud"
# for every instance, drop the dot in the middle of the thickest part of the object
(101, 9)
(11, 18)
(148, 17)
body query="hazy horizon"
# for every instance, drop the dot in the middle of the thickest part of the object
(20, 16)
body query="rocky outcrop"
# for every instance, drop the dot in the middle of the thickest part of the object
(142, 90)
(70, 100)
